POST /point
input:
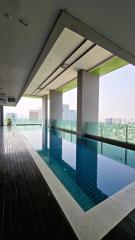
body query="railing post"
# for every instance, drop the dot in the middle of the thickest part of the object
(126, 133)
(101, 129)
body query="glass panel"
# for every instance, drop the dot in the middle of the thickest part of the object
(93, 128)
(115, 131)
(131, 133)
(63, 124)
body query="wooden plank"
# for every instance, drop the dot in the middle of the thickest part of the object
(28, 210)
(125, 230)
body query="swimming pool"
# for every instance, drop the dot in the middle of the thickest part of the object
(90, 170)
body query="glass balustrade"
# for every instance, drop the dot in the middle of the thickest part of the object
(23, 121)
(112, 131)
(118, 132)
(131, 133)
(63, 124)
(93, 128)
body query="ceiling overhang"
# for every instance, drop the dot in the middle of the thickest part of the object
(71, 46)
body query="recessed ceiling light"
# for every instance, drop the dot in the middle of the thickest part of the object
(24, 22)
(64, 65)
(7, 15)
(16, 18)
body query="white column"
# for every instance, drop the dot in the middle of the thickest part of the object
(55, 105)
(87, 99)
(45, 109)
(1, 115)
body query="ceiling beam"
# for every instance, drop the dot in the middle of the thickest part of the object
(66, 20)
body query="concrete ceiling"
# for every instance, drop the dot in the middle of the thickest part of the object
(20, 45)
(64, 60)
(56, 56)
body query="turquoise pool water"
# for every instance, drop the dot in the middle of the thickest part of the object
(90, 170)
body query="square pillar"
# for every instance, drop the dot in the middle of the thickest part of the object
(55, 105)
(1, 116)
(45, 109)
(87, 99)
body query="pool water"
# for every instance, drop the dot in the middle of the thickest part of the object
(90, 170)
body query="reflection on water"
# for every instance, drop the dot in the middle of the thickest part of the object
(90, 170)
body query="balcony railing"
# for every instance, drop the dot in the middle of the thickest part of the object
(63, 124)
(23, 121)
(119, 132)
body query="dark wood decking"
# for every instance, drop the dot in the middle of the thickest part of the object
(28, 209)
(125, 230)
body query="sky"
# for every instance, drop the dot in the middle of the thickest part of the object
(117, 94)
(70, 98)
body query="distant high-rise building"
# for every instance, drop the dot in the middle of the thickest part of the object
(65, 112)
(40, 113)
(34, 115)
(72, 115)
(68, 114)
(113, 120)
(108, 120)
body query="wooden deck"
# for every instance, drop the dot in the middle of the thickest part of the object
(125, 230)
(28, 209)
